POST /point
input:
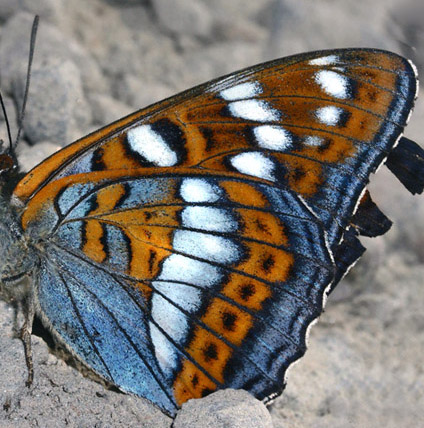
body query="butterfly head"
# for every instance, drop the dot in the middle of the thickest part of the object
(8, 161)
(8, 169)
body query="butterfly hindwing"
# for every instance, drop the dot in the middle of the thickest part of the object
(207, 261)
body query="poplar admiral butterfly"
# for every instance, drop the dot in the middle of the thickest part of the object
(189, 246)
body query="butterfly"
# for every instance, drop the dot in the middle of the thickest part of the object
(189, 246)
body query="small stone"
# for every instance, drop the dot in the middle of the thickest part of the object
(244, 31)
(14, 48)
(314, 19)
(57, 109)
(126, 2)
(13, 370)
(12, 117)
(51, 42)
(184, 17)
(49, 10)
(139, 93)
(408, 17)
(227, 408)
(30, 156)
(8, 8)
(213, 62)
(107, 109)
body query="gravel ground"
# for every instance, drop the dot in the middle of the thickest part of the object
(99, 60)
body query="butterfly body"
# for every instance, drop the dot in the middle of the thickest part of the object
(13, 246)
(189, 246)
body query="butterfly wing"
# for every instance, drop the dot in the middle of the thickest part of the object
(171, 286)
(220, 216)
(316, 123)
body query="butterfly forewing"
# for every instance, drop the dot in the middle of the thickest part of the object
(316, 123)
(219, 214)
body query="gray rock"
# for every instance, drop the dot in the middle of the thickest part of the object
(12, 118)
(92, 77)
(303, 26)
(184, 17)
(57, 110)
(139, 93)
(353, 370)
(127, 2)
(30, 156)
(107, 109)
(51, 42)
(14, 48)
(408, 18)
(50, 10)
(213, 61)
(227, 408)
(13, 351)
(8, 8)
(363, 273)
(246, 31)
(407, 213)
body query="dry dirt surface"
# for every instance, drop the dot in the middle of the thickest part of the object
(98, 60)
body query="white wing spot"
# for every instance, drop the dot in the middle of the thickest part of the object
(258, 110)
(149, 144)
(170, 318)
(333, 83)
(198, 190)
(205, 246)
(325, 60)
(273, 137)
(165, 353)
(209, 218)
(241, 91)
(329, 115)
(181, 268)
(254, 163)
(187, 297)
(314, 141)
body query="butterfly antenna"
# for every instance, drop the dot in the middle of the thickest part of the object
(6, 119)
(31, 56)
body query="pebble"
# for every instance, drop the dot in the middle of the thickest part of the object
(107, 109)
(57, 110)
(184, 17)
(228, 408)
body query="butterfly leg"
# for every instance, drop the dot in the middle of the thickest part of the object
(26, 330)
